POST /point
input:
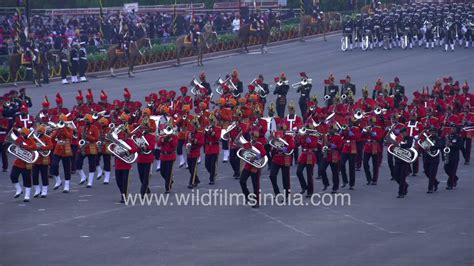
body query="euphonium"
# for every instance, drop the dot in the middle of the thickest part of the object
(19, 152)
(406, 155)
(280, 144)
(225, 133)
(142, 143)
(251, 155)
(427, 144)
(120, 148)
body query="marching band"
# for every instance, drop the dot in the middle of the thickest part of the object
(343, 135)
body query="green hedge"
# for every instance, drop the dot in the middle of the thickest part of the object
(94, 3)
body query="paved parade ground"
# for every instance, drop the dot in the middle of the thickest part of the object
(89, 227)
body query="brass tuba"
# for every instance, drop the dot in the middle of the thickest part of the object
(120, 148)
(259, 89)
(250, 155)
(19, 152)
(406, 155)
(225, 134)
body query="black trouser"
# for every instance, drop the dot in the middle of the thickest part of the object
(309, 176)
(144, 174)
(66, 166)
(166, 172)
(296, 155)
(179, 148)
(43, 170)
(269, 155)
(194, 178)
(415, 166)
(64, 67)
(303, 103)
(74, 67)
(351, 158)
(401, 171)
(335, 174)
(225, 144)
(4, 147)
(391, 165)
(255, 184)
(121, 177)
(280, 108)
(74, 148)
(466, 149)
(157, 153)
(82, 67)
(90, 158)
(107, 159)
(285, 170)
(25, 174)
(451, 169)
(360, 154)
(375, 167)
(46, 74)
(320, 160)
(211, 165)
(234, 162)
(431, 170)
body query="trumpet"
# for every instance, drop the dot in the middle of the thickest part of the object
(344, 96)
(303, 82)
(447, 151)
(308, 132)
(167, 131)
(378, 110)
(281, 83)
(341, 128)
(96, 115)
(327, 97)
(208, 128)
(359, 114)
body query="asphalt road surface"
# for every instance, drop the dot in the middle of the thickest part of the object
(90, 227)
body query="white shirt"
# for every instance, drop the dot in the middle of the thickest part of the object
(236, 24)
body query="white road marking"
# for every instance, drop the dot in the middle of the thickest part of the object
(84, 236)
(282, 223)
(370, 224)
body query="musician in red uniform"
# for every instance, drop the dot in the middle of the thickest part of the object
(281, 159)
(373, 135)
(122, 168)
(467, 133)
(212, 136)
(102, 151)
(43, 116)
(60, 109)
(332, 145)
(145, 153)
(293, 124)
(62, 152)
(252, 171)
(21, 167)
(3, 145)
(193, 143)
(88, 135)
(350, 134)
(307, 159)
(24, 119)
(168, 142)
(41, 166)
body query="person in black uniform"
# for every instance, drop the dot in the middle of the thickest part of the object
(348, 86)
(402, 169)
(74, 57)
(388, 28)
(449, 27)
(304, 91)
(281, 89)
(398, 92)
(64, 62)
(431, 162)
(348, 29)
(24, 98)
(451, 160)
(238, 84)
(205, 84)
(330, 89)
(261, 82)
(82, 62)
(358, 30)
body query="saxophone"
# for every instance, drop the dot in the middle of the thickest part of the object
(83, 142)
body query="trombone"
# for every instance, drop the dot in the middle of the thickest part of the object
(303, 82)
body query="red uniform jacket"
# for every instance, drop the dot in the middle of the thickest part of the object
(24, 121)
(121, 165)
(373, 139)
(63, 144)
(168, 146)
(309, 144)
(293, 123)
(197, 141)
(334, 152)
(48, 146)
(350, 138)
(3, 128)
(211, 141)
(261, 126)
(91, 135)
(235, 133)
(148, 158)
